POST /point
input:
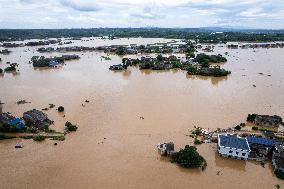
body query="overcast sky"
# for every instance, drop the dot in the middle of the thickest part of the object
(266, 14)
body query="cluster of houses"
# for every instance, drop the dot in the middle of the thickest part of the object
(126, 49)
(161, 63)
(53, 61)
(5, 51)
(256, 45)
(33, 118)
(252, 148)
(267, 121)
(66, 49)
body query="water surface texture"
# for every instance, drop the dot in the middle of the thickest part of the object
(113, 147)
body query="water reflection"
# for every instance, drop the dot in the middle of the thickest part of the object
(235, 164)
(1, 107)
(214, 80)
(13, 73)
(47, 68)
(125, 73)
(182, 169)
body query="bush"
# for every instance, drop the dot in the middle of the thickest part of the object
(197, 142)
(197, 131)
(238, 127)
(215, 71)
(251, 117)
(11, 68)
(31, 129)
(1, 71)
(60, 109)
(242, 124)
(70, 127)
(254, 128)
(38, 138)
(188, 158)
(279, 174)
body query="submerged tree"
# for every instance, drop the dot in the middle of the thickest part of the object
(189, 158)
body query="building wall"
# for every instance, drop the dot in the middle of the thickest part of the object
(234, 153)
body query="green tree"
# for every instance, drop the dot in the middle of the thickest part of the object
(188, 158)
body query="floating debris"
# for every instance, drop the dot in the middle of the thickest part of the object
(51, 106)
(22, 102)
(18, 146)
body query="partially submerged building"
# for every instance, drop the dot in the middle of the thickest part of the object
(10, 121)
(166, 148)
(5, 117)
(233, 146)
(260, 147)
(278, 157)
(268, 121)
(19, 123)
(37, 119)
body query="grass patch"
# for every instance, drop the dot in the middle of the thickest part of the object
(26, 137)
(59, 138)
(39, 138)
(3, 137)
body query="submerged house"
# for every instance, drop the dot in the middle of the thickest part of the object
(268, 121)
(19, 123)
(53, 63)
(260, 147)
(5, 118)
(278, 157)
(233, 146)
(37, 119)
(11, 121)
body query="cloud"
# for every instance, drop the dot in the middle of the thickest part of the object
(87, 5)
(147, 13)
(140, 13)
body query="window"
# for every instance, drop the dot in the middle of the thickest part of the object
(243, 154)
(230, 151)
(237, 153)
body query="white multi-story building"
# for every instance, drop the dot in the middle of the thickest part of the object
(233, 146)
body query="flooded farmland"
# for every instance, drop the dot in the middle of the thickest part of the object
(113, 147)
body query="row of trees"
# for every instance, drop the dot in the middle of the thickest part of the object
(201, 35)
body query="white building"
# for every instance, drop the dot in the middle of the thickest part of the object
(233, 146)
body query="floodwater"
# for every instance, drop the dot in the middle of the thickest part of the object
(113, 147)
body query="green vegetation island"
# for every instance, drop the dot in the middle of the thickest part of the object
(201, 65)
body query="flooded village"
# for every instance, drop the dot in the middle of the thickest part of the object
(127, 100)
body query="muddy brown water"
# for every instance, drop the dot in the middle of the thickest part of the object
(113, 147)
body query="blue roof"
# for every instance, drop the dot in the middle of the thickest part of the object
(233, 141)
(18, 122)
(262, 141)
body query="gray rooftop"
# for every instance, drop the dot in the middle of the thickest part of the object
(233, 141)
